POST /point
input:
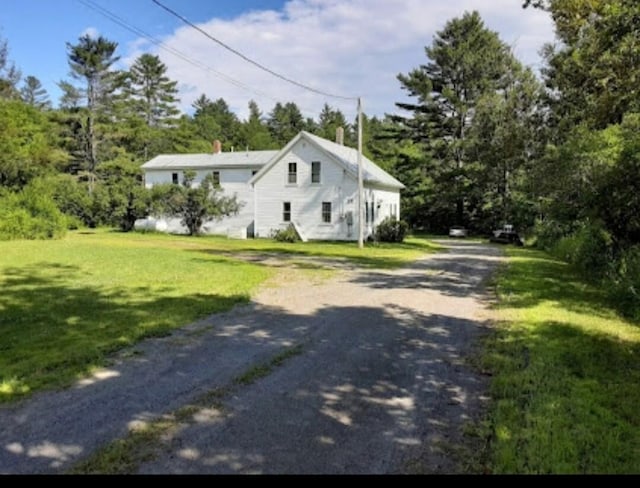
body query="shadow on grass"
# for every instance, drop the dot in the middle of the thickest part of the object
(534, 277)
(53, 329)
(375, 255)
(565, 401)
(335, 258)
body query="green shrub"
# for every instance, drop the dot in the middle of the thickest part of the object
(566, 248)
(625, 283)
(30, 214)
(594, 254)
(548, 233)
(286, 235)
(391, 230)
(589, 249)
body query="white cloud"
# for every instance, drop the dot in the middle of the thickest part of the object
(91, 32)
(350, 47)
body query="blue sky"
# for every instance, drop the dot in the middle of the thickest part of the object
(351, 47)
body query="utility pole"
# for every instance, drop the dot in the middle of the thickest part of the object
(360, 180)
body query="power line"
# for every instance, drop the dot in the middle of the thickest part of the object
(249, 60)
(131, 28)
(136, 30)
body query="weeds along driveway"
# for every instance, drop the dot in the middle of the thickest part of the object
(380, 385)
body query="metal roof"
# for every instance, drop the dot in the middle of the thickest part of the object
(206, 161)
(372, 173)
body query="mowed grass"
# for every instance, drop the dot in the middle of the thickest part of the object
(375, 255)
(66, 305)
(566, 375)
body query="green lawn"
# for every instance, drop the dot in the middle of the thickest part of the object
(565, 375)
(66, 305)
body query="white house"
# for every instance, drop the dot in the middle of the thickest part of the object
(312, 183)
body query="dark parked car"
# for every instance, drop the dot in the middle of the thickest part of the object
(506, 235)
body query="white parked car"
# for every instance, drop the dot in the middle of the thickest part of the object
(457, 231)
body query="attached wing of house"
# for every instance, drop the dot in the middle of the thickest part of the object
(232, 170)
(311, 183)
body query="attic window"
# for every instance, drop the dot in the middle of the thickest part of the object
(174, 178)
(315, 171)
(293, 174)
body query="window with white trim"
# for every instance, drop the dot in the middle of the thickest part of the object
(370, 212)
(216, 179)
(293, 174)
(175, 179)
(326, 212)
(286, 212)
(316, 168)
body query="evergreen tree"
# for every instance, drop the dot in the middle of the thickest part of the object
(466, 61)
(255, 133)
(34, 94)
(329, 121)
(9, 74)
(91, 61)
(285, 122)
(148, 96)
(154, 93)
(215, 120)
(71, 97)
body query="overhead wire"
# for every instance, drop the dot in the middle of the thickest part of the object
(249, 60)
(131, 28)
(162, 45)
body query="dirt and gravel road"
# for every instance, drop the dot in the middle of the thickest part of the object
(381, 383)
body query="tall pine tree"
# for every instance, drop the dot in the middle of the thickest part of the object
(284, 122)
(154, 93)
(91, 61)
(329, 121)
(34, 94)
(149, 95)
(255, 133)
(466, 61)
(215, 120)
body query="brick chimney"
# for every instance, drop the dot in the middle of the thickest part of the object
(217, 147)
(340, 136)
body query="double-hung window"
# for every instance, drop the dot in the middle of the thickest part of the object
(293, 174)
(286, 212)
(326, 212)
(315, 172)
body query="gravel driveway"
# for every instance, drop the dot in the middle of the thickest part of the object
(381, 384)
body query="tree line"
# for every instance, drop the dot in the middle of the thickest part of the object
(108, 122)
(483, 142)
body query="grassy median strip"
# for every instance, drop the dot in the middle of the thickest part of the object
(565, 375)
(144, 442)
(259, 371)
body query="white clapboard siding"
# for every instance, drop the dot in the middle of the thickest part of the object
(336, 186)
(263, 196)
(233, 181)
